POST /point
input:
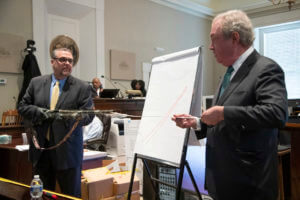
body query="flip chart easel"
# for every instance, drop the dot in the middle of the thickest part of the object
(175, 87)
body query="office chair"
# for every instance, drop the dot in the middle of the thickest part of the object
(11, 118)
(99, 144)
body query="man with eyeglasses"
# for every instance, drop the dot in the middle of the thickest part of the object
(59, 90)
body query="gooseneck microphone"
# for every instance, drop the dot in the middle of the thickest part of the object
(124, 87)
(109, 81)
(102, 76)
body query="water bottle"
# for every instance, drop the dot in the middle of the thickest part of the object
(36, 187)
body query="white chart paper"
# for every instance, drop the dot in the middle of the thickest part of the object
(170, 92)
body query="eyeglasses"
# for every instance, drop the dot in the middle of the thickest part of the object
(64, 60)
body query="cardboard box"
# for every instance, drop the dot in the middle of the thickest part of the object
(122, 181)
(107, 162)
(115, 165)
(96, 184)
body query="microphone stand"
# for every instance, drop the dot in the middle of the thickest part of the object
(121, 86)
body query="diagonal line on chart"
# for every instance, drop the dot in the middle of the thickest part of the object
(165, 117)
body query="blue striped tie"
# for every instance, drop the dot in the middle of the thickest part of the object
(226, 80)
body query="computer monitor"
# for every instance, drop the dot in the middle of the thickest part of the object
(207, 102)
(109, 93)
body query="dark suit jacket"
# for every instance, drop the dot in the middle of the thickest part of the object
(31, 69)
(94, 93)
(75, 95)
(241, 152)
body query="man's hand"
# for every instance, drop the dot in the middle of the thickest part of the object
(213, 115)
(185, 121)
(46, 114)
(42, 114)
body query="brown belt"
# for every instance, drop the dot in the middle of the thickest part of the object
(36, 143)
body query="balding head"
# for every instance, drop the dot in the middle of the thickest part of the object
(96, 83)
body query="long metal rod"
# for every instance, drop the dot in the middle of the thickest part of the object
(132, 176)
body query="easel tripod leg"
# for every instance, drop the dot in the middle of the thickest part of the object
(193, 180)
(179, 185)
(132, 177)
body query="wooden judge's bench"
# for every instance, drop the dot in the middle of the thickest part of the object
(126, 106)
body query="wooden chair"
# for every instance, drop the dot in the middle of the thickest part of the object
(11, 118)
(282, 150)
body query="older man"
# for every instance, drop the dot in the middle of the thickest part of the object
(249, 107)
(58, 90)
(97, 87)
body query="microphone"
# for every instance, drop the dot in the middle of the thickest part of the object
(102, 76)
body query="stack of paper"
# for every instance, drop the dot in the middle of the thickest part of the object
(87, 155)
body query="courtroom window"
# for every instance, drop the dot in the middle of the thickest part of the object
(282, 43)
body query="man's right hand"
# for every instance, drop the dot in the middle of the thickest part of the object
(185, 121)
(42, 114)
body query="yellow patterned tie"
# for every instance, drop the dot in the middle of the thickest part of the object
(54, 98)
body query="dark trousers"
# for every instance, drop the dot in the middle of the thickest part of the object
(69, 180)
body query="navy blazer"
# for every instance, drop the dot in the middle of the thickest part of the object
(241, 151)
(75, 95)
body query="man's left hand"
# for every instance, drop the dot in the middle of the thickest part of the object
(213, 115)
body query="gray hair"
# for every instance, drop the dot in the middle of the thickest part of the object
(236, 21)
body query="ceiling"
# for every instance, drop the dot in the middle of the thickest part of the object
(202, 8)
(209, 8)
